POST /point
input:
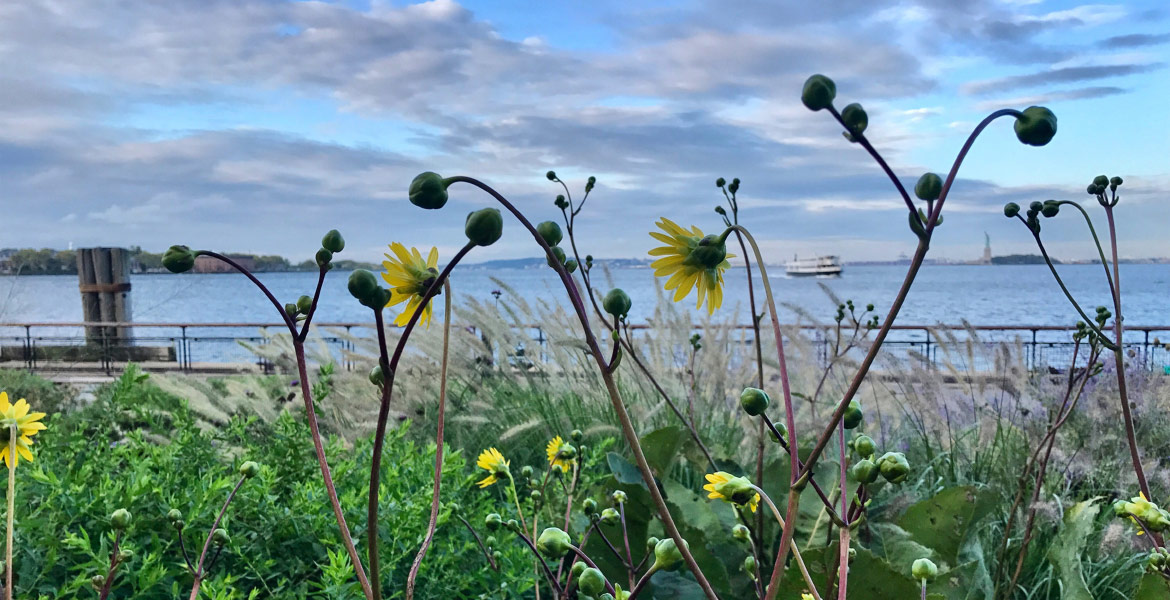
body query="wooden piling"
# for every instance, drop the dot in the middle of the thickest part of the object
(104, 281)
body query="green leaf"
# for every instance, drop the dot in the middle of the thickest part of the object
(943, 522)
(623, 470)
(1153, 587)
(1065, 551)
(661, 447)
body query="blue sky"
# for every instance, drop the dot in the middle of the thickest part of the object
(253, 125)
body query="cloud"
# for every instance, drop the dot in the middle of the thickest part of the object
(1135, 40)
(1053, 97)
(1062, 75)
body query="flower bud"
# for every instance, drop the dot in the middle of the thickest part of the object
(894, 467)
(618, 497)
(220, 537)
(855, 119)
(535, 495)
(589, 183)
(924, 569)
(1050, 208)
(740, 532)
(174, 515)
(710, 253)
(720, 182)
(591, 582)
(428, 190)
(577, 435)
(555, 257)
(578, 568)
(589, 506)
(250, 469)
(377, 377)
(651, 542)
(782, 429)
(491, 541)
(1101, 181)
(120, 519)
(512, 524)
(667, 554)
(865, 446)
(749, 566)
(493, 521)
(1011, 209)
(98, 582)
(567, 452)
(818, 93)
(610, 516)
(125, 554)
(551, 175)
(551, 232)
(571, 265)
(1036, 126)
(364, 287)
(617, 303)
(526, 472)
(178, 259)
(554, 543)
(853, 415)
(304, 303)
(929, 186)
(864, 471)
(484, 226)
(1115, 182)
(733, 187)
(323, 257)
(582, 449)
(754, 401)
(290, 309)
(333, 241)
(560, 202)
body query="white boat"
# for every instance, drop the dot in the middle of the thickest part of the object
(819, 266)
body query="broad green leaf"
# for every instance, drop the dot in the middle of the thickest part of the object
(661, 447)
(943, 522)
(1153, 587)
(1065, 551)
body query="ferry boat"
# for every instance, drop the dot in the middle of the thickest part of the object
(819, 266)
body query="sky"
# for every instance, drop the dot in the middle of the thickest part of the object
(257, 125)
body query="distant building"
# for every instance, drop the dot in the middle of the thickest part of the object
(986, 249)
(207, 264)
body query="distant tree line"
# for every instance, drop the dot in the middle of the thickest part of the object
(47, 261)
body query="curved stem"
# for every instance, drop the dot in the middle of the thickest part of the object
(207, 541)
(12, 436)
(422, 552)
(112, 570)
(312, 311)
(540, 560)
(641, 583)
(619, 406)
(1067, 294)
(936, 210)
(292, 328)
(389, 371)
(843, 568)
(861, 139)
(589, 561)
(812, 589)
(1096, 241)
(323, 462)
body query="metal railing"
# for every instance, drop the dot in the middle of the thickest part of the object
(189, 346)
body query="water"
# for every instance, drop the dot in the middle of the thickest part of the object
(983, 295)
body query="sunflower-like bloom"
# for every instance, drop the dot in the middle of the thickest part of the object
(560, 453)
(410, 277)
(691, 260)
(27, 425)
(736, 490)
(495, 464)
(806, 596)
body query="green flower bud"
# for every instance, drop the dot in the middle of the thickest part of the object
(929, 186)
(557, 470)
(589, 183)
(125, 554)
(290, 308)
(749, 566)
(454, 507)
(551, 232)
(924, 569)
(578, 568)
(98, 582)
(610, 516)
(551, 175)
(491, 541)
(178, 259)
(780, 427)
(554, 543)
(484, 226)
(560, 202)
(853, 415)
(377, 377)
(577, 435)
(741, 532)
(364, 287)
(323, 257)
(582, 449)
(250, 469)
(493, 521)
(497, 556)
(733, 187)
(304, 303)
(1115, 182)
(667, 554)
(754, 401)
(894, 467)
(818, 93)
(1093, 189)
(333, 241)
(651, 543)
(526, 472)
(709, 254)
(617, 303)
(591, 582)
(535, 495)
(589, 506)
(1101, 181)
(567, 452)
(571, 265)
(855, 119)
(720, 182)
(513, 524)
(864, 471)
(1011, 209)
(174, 515)
(556, 253)
(428, 190)
(1036, 126)
(865, 446)
(1050, 208)
(120, 519)
(220, 537)
(619, 497)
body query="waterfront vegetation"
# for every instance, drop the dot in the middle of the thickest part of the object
(459, 460)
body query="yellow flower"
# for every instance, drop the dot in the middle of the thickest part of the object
(494, 463)
(807, 597)
(736, 490)
(410, 277)
(28, 424)
(554, 448)
(691, 260)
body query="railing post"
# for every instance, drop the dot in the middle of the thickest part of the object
(29, 360)
(184, 359)
(929, 358)
(1146, 351)
(1034, 366)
